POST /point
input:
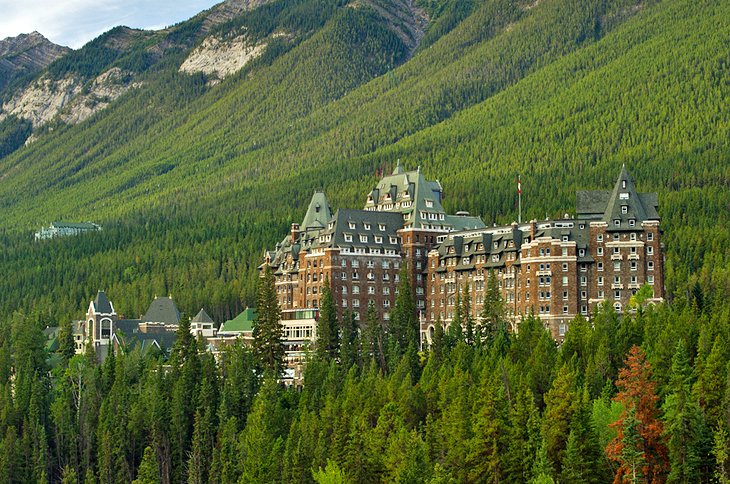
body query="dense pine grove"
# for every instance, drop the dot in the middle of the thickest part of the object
(192, 181)
(642, 398)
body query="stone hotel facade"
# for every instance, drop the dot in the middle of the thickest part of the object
(555, 269)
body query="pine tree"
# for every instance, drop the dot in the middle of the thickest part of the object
(328, 335)
(403, 328)
(267, 331)
(376, 342)
(583, 462)
(351, 347)
(685, 429)
(66, 348)
(437, 342)
(561, 404)
(638, 447)
(148, 472)
(466, 316)
(492, 309)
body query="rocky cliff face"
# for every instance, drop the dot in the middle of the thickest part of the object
(26, 54)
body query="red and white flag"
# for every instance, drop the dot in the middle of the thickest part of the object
(519, 185)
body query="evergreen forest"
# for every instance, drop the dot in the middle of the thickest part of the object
(192, 180)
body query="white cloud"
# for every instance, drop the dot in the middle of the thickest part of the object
(75, 22)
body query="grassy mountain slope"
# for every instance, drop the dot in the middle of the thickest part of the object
(192, 182)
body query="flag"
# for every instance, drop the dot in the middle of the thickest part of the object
(519, 185)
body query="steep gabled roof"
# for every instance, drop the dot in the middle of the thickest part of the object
(202, 317)
(609, 206)
(318, 213)
(162, 310)
(102, 304)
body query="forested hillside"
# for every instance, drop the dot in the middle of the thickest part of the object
(193, 177)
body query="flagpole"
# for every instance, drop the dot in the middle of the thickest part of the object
(519, 198)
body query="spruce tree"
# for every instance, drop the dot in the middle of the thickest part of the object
(376, 340)
(466, 316)
(267, 331)
(492, 308)
(403, 327)
(685, 429)
(148, 472)
(66, 348)
(350, 344)
(328, 335)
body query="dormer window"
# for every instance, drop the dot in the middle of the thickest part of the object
(429, 203)
(348, 237)
(367, 226)
(381, 227)
(351, 225)
(623, 196)
(632, 223)
(624, 209)
(623, 183)
(617, 222)
(363, 238)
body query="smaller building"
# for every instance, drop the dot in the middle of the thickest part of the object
(65, 229)
(203, 325)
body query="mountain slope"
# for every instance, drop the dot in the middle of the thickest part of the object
(193, 181)
(25, 55)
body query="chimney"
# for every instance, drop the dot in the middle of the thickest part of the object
(294, 233)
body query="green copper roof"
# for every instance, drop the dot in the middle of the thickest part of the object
(318, 213)
(241, 323)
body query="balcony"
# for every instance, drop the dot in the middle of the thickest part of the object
(617, 286)
(617, 257)
(633, 257)
(544, 273)
(634, 285)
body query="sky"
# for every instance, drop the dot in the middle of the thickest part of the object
(75, 22)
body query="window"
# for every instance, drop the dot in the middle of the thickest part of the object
(393, 240)
(599, 238)
(583, 294)
(371, 290)
(565, 239)
(617, 307)
(348, 237)
(632, 236)
(600, 267)
(617, 266)
(650, 279)
(616, 250)
(617, 294)
(351, 225)
(601, 294)
(565, 251)
(381, 227)
(355, 264)
(378, 239)
(632, 222)
(600, 280)
(649, 236)
(343, 276)
(366, 225)
(584, 309)
(650, 266)
(355, 276)
(565, 267)
(565, 280)
(565, 294)
(599, 251)
(386, 291)
(617, 222)
(624, 209)
(363, 238)
(623, 196)
(582, 252)
(583, 281)
(565, 311)
(344, 303)
(616, 280)
(355, 303)
(650, 250)
(633, 265)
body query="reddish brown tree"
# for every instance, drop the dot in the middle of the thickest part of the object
(638, 448)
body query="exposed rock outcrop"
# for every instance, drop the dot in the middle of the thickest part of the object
(46, 98)
(221, 58)
(26, 54)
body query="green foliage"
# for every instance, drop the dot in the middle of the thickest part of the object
(267, 331)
